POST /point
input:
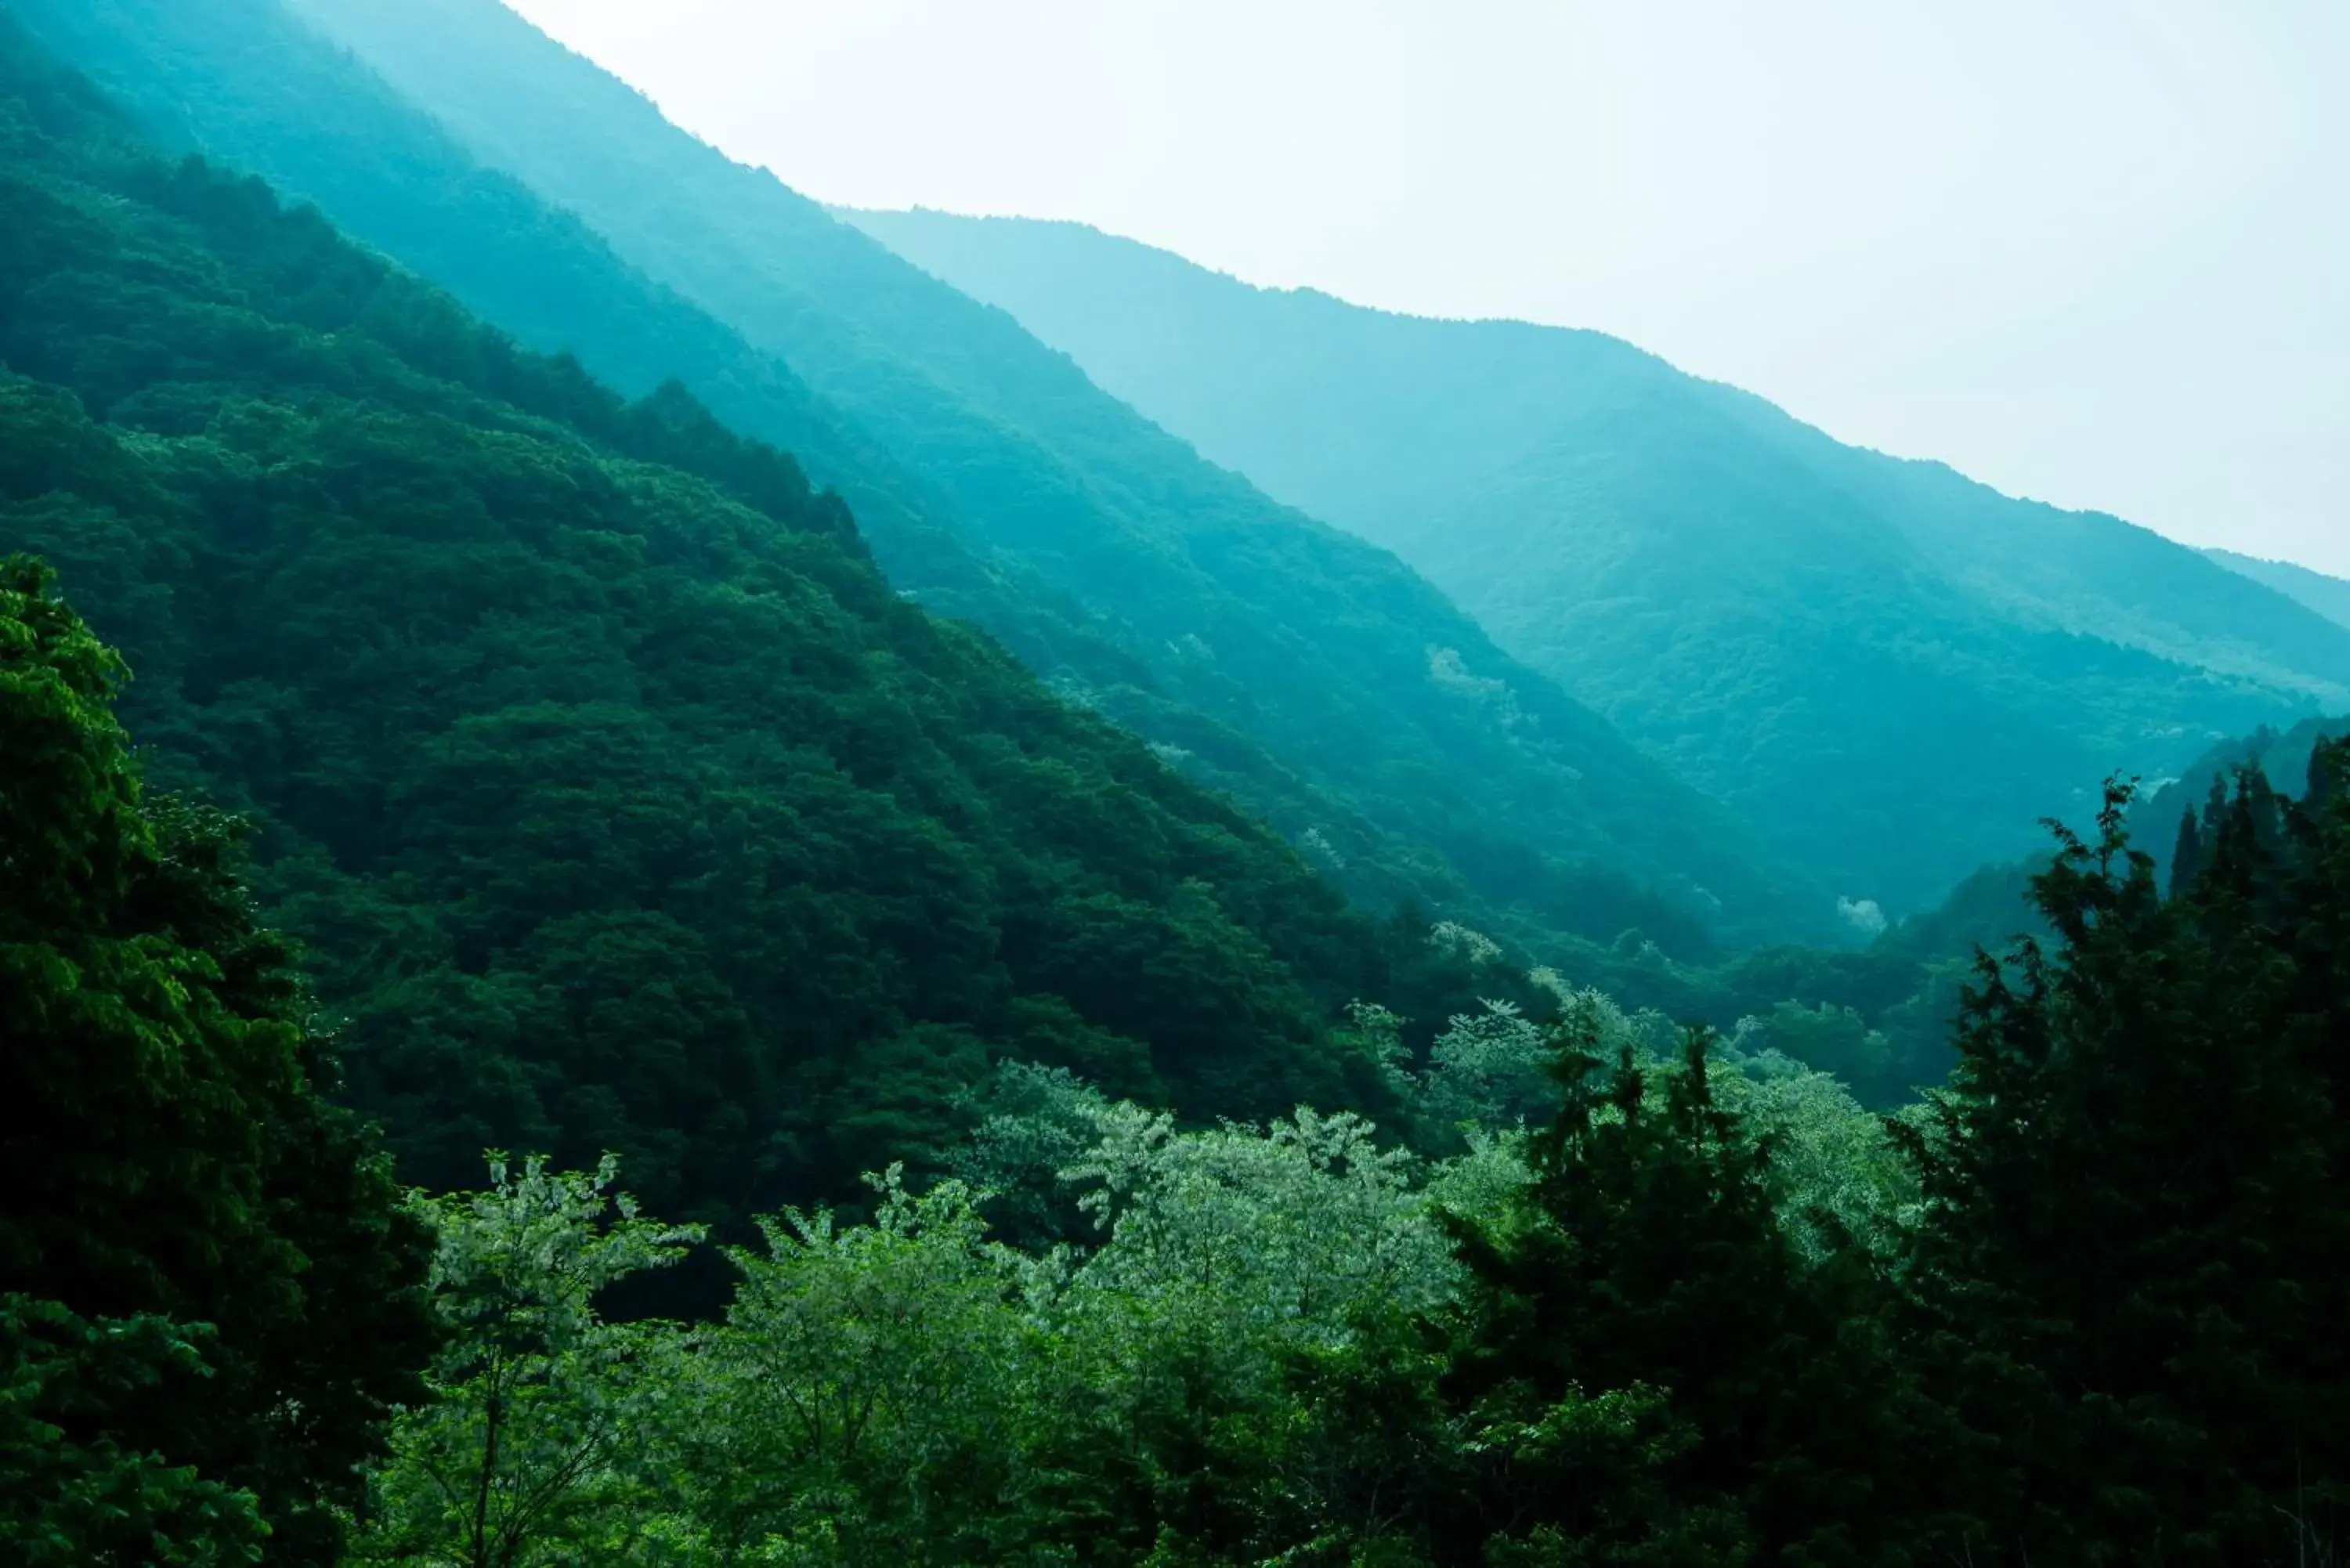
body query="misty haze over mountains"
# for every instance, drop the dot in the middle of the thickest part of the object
(2329, 596)
(1746, 596)
(687, 880)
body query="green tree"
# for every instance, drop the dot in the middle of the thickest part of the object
(165, 1146)
(1653, 1369)
(876, 1393)
(69, 1502)
(542, 1442)
(2135, 1260)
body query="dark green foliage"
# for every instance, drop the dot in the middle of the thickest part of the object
(2202, 788)
(621, 802)
(2187, 853)
(165, 1148)
(1895, 670)
(2136, 1260)
(1312, 677)
(1659, 1375)
(69, 1498)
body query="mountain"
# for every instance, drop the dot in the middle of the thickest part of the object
(621, 802)
(1894, 669)
(2329, 596)
(1316, 678)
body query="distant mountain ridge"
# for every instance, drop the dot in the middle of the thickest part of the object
(2328, 596)
(1897, 670)
(1317, 680)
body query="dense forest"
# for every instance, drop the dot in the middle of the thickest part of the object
(1620, 1294)
(1311, 676)
(561, 1012)
(620, 801)
(1894, 671)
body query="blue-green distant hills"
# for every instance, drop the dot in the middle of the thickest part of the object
(1895, 670)
(2329, 596)
(1319, 681)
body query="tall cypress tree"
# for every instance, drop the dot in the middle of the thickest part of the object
(166, 1148)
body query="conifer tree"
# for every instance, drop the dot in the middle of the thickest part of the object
(2187, 853)
(1661, 1376)
(2134, 1260)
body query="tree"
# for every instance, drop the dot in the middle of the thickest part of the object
(165, 1145)
(2135, 1262)
(67, 1502)
(2187, 853)
(541, 1443)
(1652, 1369)
(876, 1389)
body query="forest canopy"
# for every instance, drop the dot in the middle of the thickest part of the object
(1639, 1295)
(1310, 676)
(556, 1016)
(620, 802)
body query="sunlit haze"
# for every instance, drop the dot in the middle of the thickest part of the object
(2090, 253)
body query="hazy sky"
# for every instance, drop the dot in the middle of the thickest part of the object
(2092, 251)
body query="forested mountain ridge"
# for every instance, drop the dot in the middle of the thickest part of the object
(1896, 669)
(2329, 596)
(619, 801)
(1323, 685)
(632, 819)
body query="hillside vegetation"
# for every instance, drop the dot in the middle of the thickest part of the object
(1895, 672)
(1649, 1297)
(1318, 681)
(2329, 596)
(555, 1016)
(619, 801)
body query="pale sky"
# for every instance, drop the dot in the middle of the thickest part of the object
(2096, 251)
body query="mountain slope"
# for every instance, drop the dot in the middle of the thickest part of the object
(1897, 670)
(2329, 596)
(617, 797)
(1315, 677)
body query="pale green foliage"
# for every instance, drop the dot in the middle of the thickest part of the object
(535, 1450)
(1034, 1122)
(869, 1381)
(1201, 1307)
(1451, 937)
(1492, 1068)
(1378, 1034)
(1483, 1185)
(1491, 1072)
(908, 1390)
(1237, 1238)
(1489, 1068)
(1831, 1161)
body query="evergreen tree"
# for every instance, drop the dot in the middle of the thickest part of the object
(167, 1155)
(2134, 1262)
(2186, 855)
(1656, 1374)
